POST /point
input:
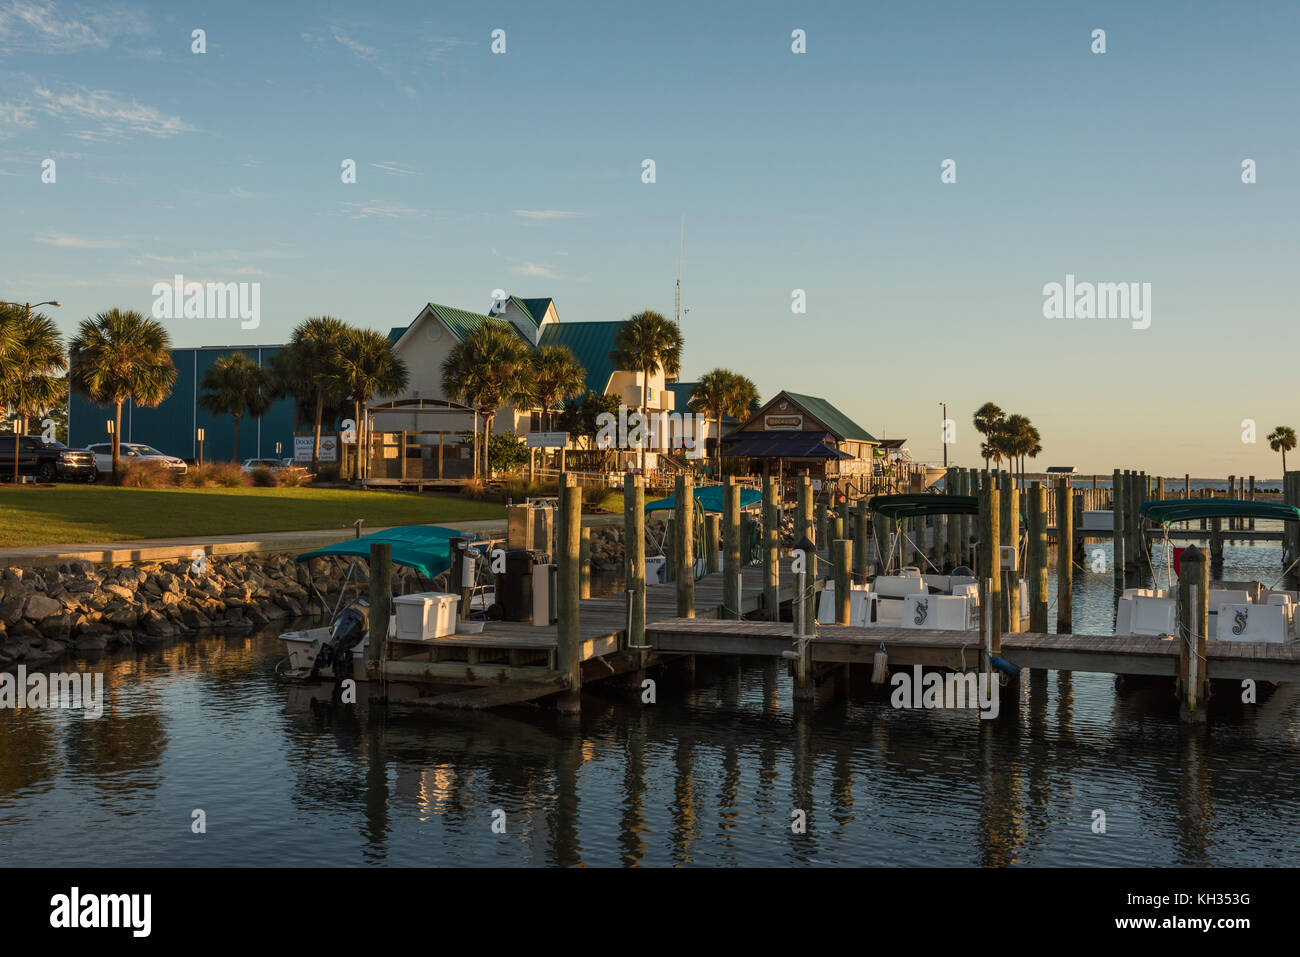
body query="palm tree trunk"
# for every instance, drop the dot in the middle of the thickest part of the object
(117, 441)
(315, 448)
(18, 434)
(487, 435)
(645, 412)
(356, 464)
(717, 444)
(237, 418)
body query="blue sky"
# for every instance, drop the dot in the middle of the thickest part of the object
(818, 171)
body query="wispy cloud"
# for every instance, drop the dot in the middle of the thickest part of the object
(362, 50)
(395, 169)
(382, 209)
(438, 47)
(111, 117)
(77, 242)
(38, 26)
(240, 193)
(548, 213)
(533, 269)
(14, 117)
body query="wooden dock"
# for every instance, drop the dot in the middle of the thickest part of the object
(849, 644)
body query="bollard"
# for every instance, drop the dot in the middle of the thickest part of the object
(712, 532)
(584, 563)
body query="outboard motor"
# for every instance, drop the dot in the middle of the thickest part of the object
(350, 628)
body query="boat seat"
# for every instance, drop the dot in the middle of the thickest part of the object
(1249, 622)
(942, 612)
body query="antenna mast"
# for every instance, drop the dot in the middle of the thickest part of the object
(677, 305)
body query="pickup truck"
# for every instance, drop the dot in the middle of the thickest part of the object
(47, 461)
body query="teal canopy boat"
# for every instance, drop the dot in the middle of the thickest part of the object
(1167, 512)
(426, 548)
(899, 507)
(709, 498)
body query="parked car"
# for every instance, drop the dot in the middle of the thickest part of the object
(133, 452)
(48, 461)
(273, 464)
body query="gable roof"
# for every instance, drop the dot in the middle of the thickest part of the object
(840, 424)
(536, 308)
(591, 344)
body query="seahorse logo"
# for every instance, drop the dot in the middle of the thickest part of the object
(922, 609)
(1239, 621)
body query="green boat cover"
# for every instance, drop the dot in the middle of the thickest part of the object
(909, 506)
(426, 548)
(709, 498)
(1186, 510)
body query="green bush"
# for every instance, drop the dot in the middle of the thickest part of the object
(264, 477)
(230, 475)
(146, 475)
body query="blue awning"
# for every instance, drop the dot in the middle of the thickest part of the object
(785, 445)
(709, 498)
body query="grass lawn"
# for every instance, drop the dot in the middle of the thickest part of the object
(39, 515)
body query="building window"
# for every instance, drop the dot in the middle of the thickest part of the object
(535, 422)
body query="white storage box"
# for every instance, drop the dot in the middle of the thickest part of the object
(425, 615)
(943, 612)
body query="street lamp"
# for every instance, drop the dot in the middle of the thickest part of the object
(944, 433)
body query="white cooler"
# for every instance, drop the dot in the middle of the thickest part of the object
(425, 615)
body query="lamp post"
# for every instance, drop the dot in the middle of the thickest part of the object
(200, 437)
(21, 414)
(943, 432)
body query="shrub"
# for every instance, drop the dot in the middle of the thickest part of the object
(146, 475)
(291, 477)
(264, 478)
(328, 472)
(230, 475)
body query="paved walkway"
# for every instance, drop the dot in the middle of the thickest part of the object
(167, 549)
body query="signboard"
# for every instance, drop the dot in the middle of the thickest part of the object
(792, 422)
(329, 448)
(546, 440)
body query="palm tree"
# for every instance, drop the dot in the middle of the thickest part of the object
(236, 386)
(1282, 439)
(486, 370)
(723, 392)
(31, 379)
(554, 375)
(988, 421)
(368, 367)
(121, 355)
(648, 343)
(307, 367)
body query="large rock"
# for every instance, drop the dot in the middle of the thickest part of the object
(40, 607)
(118, 591)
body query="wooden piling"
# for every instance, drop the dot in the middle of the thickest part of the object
(568, 646)
(1194, 614)
(456, 548)
(804, 527)
(584, 563)
(1118, 527)
(380, 593)
(860, 541)
(841, 558)
(821, 536)
(683, 545)
(1064, 557)
(1036, 551)
(1216, 542)
(1010, 537)
(712, 542)
(990, 564)
(731, 566)
(771, 549)
(634, 557)
(953, 546)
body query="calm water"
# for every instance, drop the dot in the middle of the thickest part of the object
(708, 775)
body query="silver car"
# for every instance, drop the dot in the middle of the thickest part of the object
(134, 452)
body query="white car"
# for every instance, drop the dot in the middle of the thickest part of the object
(250, 464)
(133, 452)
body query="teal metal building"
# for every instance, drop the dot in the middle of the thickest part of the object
(172, 427)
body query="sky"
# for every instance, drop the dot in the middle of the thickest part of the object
(818, 171)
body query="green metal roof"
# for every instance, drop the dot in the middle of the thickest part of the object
(1178, 510)
(925, 503)
(536, 308)
(591, 344)
(840, 424)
